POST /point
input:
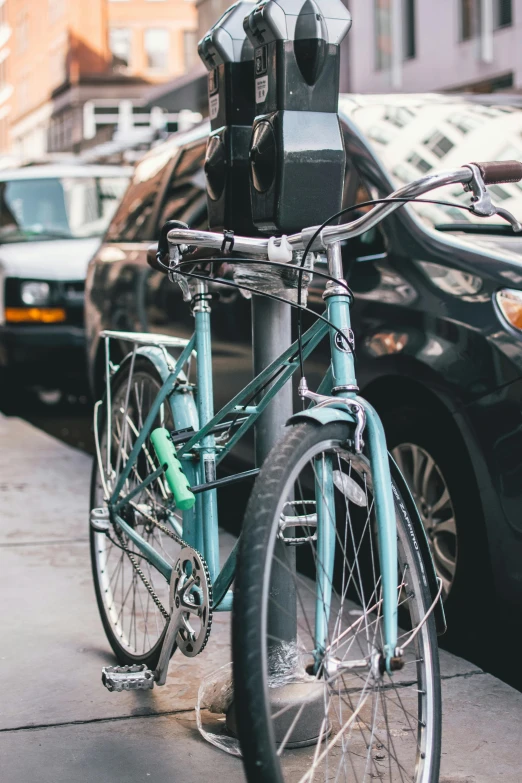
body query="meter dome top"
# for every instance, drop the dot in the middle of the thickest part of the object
(284, 20)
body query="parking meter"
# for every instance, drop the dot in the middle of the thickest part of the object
(228, 56)
(297, 153)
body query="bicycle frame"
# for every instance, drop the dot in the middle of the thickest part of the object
(204, 536)
(202, 452)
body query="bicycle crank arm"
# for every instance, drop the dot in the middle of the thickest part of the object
(190, 602)
(188, 627)
(160, 675)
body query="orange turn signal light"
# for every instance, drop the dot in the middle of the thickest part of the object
(42, 315)
(509, 301)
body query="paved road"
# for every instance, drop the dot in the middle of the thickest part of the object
(59, 725)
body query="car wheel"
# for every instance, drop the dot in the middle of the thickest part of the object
(434, 461)
(433, 500)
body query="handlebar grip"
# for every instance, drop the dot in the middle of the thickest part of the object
(152, 258)
(497, 171)
(159, 251)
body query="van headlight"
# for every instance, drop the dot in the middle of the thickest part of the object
(509, 302)
(35, 292)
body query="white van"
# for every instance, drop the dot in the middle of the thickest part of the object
(52, 219)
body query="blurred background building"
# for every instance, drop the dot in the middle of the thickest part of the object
(449, 45)
(74, 71)
(78, 74)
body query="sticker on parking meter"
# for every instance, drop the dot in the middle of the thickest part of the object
(345, 342)
(213, 106)
(261, 88)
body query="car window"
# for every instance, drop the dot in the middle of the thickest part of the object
(133, 221)
(357, 191)
(52, 208)
(414, 135)
(185, 197)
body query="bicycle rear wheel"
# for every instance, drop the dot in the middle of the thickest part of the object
(312, 701)
(132, 596)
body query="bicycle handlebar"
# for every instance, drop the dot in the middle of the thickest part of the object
(497, 171)
(492, 172)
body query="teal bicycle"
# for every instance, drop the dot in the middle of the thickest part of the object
(335, 602)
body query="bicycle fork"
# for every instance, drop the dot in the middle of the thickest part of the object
(344, 395)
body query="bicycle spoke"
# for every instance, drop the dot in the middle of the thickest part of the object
(369, 723)
(132, 589)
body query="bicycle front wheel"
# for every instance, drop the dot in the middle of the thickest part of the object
(311, 697)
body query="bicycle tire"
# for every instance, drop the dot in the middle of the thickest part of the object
(119, 635)
(253, 599)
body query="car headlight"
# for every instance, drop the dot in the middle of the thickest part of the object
(35, 293)
(509, 301)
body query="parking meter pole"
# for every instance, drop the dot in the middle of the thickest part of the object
(275, 163)
(271, 335)
(296, 148)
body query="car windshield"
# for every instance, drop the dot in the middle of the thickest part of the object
(57, 208)
(416, 135)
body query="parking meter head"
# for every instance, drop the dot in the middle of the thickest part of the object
(228, 56)
(296, 68)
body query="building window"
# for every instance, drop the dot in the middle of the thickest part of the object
(23, 94)
(381, 134)
(120, 46)
(464, 122)
(190, 49)
(22, 31)
(399, 115)
(383, 34)
(57, 66)
(502, 13)
(157, 48)
(408, 29)
(501, 193)
(419, 163)
(56, 10)
(439, 144)
(469, 10)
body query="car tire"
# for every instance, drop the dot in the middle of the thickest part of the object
(471, 590)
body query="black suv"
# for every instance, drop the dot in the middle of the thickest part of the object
(437, 318)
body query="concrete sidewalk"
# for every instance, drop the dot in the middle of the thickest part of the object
(59, 725)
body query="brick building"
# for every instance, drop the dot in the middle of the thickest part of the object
(73, 70)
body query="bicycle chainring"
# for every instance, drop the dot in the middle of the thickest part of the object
(191, 602)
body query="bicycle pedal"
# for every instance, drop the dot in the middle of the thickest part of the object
(128, 678)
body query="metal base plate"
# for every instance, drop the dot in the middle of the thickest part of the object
(290, 698)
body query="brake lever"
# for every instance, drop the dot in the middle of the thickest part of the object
(515, 224)
(481, 203)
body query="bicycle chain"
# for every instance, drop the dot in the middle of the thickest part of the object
(174, 536)
(143, 578)
(170, 533)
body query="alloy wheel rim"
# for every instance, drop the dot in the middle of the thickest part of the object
(432, 498)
